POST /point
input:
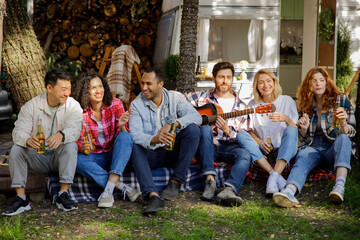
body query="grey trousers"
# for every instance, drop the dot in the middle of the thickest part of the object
(62, 160)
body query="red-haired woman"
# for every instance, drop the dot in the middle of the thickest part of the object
(322, 143)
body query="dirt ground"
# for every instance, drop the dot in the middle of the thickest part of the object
(310, 195)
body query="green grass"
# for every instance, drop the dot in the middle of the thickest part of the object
(257, 218)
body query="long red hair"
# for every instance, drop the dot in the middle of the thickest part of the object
(306, 97)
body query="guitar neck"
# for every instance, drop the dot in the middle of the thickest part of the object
(236, 113)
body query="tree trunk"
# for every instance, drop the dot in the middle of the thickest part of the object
(2, 13)
(357, 117)
(24, 60)
(188, 38)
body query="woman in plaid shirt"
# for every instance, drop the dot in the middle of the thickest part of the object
(106, 119)
(322, 143)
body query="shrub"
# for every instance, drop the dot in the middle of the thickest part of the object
(172, 67)
(344, 68)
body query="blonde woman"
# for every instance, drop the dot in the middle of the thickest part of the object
(280, 126)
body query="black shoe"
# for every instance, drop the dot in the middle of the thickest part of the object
(65, 203)
(155, 204)
(171, 191)
(17, 206)
(209, 191)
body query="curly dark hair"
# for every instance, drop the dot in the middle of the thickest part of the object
(82, 88)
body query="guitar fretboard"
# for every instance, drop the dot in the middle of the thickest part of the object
(236, 113)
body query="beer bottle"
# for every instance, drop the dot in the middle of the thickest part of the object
(271, 148)
(40, 135)
(336, 121)
(198, 69)
(87, 139)
(172, 131)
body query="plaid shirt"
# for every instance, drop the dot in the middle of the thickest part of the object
(110, 122)
(326, 121)
(236, 125)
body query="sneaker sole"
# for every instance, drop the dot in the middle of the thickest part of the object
(207, 199)
(154, 210)
(229, 202)
(133, 198)
(20, 210)
(106, 204)
(60, 206)
(336, 197)
(283, 201)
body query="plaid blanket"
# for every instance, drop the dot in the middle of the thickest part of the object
(259, 176)
(86, 190)
(119, 75)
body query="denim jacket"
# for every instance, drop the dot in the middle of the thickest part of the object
(142, 121)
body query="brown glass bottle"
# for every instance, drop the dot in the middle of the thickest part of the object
(41, 137)
(271, 148)
(198, 68)
(172, 131)
(87, 139)
(336, 121)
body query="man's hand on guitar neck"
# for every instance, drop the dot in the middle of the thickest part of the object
(221, 123)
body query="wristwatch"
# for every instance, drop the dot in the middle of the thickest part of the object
(63, 134)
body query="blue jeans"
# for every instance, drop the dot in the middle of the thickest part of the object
(144, 160)
(97, 166)
(230, 153)
(286, 151)
(321, 152)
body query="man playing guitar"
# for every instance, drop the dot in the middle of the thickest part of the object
(219, 139)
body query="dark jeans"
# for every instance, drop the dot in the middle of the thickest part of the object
(144, 160)
(230, 153)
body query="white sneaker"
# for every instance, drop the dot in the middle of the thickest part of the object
(131, 193)
(281, 182)
(272, 185)
(106, 200)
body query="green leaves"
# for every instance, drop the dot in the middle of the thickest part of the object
(60, 60)
(326, 25)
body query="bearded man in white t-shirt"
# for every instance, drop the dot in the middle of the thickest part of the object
(218, 137)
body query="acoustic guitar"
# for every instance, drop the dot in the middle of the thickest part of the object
(210, 111)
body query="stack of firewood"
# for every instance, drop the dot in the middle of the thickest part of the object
(84, 28)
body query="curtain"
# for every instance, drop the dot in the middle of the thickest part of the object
(255, 40)
(203, 40)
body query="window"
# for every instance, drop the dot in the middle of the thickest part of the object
(230, 40)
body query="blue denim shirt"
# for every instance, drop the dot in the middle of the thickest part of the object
(142, 121)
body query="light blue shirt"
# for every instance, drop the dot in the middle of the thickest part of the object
(143, 121)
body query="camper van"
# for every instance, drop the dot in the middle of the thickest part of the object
(234, 31)
(278, 35)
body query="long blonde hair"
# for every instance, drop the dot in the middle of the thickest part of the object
(277, 88)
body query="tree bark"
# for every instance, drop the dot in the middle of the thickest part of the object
(188, 38)
(2, 13)
(24, 59)
(357, 117)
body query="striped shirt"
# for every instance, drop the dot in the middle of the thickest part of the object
(326, 121)
(236, 125)
(110, 122)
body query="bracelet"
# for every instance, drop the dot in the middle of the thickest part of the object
(343, 125)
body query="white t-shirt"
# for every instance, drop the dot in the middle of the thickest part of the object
(227, 105)
(260, 123)
(101, 133)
